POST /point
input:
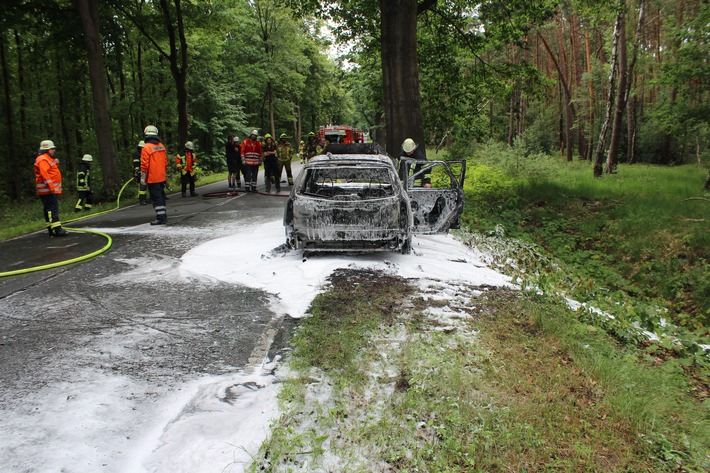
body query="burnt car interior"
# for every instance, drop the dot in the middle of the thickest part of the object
(436, 208)
(348, 183)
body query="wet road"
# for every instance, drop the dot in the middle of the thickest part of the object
(128, 314)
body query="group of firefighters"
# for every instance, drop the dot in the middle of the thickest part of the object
(150, 164)
(244, 159)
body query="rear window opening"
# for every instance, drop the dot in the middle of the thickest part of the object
(348, 183)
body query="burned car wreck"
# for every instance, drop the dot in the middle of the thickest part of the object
(353, 198)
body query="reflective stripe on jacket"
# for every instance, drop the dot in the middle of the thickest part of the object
(251, 152)
(154, 162)
(48, 178)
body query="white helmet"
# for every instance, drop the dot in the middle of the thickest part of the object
(254, 132)
(189, 145)
(46, 145)
(150, 130)
(87, 158)
(409, 145)
(141, 143)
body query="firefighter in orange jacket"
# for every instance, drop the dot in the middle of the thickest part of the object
(48, 181)
(154, 164)
(186, 164)
(251, 158)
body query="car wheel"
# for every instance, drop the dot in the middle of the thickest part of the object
(407, 246)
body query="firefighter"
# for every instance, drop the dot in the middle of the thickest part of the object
(83, 184)
(154, 165)
(234, 163)
(271, 163)
(320, 147)
(187, 165)
(411, 150)
(142, 188)
(301, 150)
(251, 159)
(48, 181)
(311, 146)
(284, 155)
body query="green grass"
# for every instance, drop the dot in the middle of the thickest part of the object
(379, 383)
(643, 231)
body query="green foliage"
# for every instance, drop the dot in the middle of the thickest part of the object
(634, 244)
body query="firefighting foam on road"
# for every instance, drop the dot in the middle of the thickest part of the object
(97, 420)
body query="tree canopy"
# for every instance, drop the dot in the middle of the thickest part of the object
(91, 75)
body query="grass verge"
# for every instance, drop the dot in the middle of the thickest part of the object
(389, 377)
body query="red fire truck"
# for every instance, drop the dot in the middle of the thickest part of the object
(341, 134)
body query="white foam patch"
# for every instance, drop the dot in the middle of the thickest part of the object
(251, 257)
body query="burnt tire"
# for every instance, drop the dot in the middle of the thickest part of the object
(407, 246)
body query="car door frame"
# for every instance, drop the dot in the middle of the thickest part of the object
(434, 210)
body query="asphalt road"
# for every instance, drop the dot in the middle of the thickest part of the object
(127, 312)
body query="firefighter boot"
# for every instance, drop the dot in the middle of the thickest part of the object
(159, 221)
(142, 200)
(59, 231)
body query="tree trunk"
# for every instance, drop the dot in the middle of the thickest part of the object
(178, 63)
(577, 68)
(12, 161)
(400, 74)
(631, 100)
(599, 155)
(570, 112)
(272, 125)
(631, 130)
(511, 119)
(297, 123)
(613, 154)
(590, 143)
(21, 84)
(89, 13)
(564, 77)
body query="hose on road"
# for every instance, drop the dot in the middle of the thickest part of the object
(93, 254)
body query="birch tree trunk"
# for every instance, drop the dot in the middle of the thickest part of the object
(599, 154)
(613, 153)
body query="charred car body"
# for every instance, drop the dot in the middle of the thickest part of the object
(353, 198)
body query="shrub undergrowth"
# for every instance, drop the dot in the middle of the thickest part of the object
(633, 246)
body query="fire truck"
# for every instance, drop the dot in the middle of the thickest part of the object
(342, 134)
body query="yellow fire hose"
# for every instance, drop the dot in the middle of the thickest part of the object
(81, 230)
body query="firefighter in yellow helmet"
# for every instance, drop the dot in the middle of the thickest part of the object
(285, 156)
(311, 147)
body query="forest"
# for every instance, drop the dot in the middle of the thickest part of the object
(610, 81)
